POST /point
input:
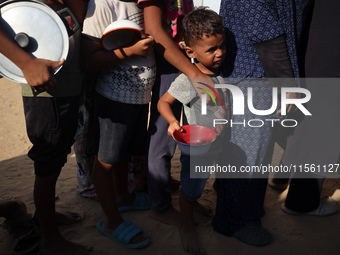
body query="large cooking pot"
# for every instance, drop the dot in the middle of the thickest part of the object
(37, 29)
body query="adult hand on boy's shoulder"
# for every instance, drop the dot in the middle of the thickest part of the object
(204, 85)
(289, 107)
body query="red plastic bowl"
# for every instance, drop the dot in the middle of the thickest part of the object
(195, 139)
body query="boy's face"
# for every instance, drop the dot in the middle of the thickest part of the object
(210, 52)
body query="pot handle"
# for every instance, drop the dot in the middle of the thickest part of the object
(68, 12)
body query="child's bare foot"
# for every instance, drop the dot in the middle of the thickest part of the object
(59, 245)
(170, 217)
(65, 218)
(20, 224)
(202, 209)
(190, 241)
(69, 217)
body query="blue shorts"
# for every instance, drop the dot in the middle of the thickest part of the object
(122, 129)
(192, 188)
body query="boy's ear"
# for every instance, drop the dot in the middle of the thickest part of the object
(190, 52)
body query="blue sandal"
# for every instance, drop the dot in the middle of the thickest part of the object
(123, 234)
(141, 202)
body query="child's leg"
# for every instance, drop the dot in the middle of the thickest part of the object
(51, 124)
(160, 148)
(187, 217)
(191, 190)
(116, 129)
(103, 182)
(104, 185)
(120, 182)
(110, 169)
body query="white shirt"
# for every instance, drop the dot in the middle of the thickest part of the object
(132, 79)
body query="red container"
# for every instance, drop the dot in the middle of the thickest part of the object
(195, 139)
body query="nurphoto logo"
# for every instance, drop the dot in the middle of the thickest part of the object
(238, 105)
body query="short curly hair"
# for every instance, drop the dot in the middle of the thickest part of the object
(199, 23)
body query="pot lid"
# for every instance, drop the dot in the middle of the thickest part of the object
(37, 29)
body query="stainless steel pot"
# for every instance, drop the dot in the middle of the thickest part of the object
(37, 29)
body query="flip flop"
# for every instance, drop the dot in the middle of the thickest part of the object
(141, 202)
(26, 243)
(123, 234)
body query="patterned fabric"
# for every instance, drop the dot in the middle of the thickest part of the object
(129, 83)
(245, 204)
(249, 22)
(249, 145)
(131, 80)
(240, 201)
(174, 12)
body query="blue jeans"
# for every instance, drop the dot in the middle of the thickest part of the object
(192, 188)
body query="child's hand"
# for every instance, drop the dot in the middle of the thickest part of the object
(142, 47)
(289, 107)
(38, 75)
(174, 126)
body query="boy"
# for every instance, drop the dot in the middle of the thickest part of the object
(203, 33)
(50, 105)
(123, 94)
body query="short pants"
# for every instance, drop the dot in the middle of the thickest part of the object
(122, 128)
(51, 124)
(192, 188)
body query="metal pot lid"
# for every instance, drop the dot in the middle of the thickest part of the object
(37, 29)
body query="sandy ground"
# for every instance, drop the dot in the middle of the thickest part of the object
(292, 234)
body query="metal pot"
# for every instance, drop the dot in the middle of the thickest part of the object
(37, 29)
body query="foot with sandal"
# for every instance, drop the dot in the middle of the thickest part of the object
(21, 226)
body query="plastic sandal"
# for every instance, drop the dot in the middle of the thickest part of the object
(123, 234)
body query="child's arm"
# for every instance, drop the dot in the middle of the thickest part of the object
(95, 58)
(166, 46)
(164, 108)
(36, 71)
